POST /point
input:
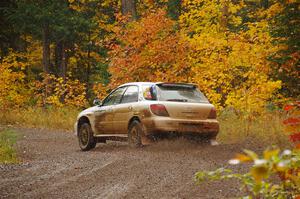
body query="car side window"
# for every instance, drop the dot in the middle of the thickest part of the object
(114, 98)
(131, 95)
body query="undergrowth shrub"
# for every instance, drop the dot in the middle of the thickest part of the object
(264, 128)
(275, 174)
(50, 117)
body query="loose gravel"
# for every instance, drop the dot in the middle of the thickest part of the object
(52, 166)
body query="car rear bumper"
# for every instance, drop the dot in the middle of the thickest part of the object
(166, 124)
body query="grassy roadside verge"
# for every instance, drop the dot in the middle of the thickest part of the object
(51, 118)
(265, 128)
(8, 153)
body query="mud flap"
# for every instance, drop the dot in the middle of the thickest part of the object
(146, 139)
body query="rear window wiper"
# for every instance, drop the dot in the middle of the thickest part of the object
(177, 100)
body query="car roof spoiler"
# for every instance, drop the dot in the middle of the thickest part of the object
(167, 84)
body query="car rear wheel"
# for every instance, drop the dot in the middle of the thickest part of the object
(86, 138)
(135, 133)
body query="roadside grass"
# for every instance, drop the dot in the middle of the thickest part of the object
(265, 128)
(262, 129)
(37, 117)
(8, 153)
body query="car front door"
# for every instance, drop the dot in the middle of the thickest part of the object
(105, 114)
(124, 111)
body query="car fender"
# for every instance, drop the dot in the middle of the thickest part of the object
(88, 113)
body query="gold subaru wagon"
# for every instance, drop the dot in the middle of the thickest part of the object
(141, 111)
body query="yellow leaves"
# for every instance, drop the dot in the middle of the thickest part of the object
(13, 91)
(259, 172)
(230, 68)
(268, 154)
(100, 90)
(273, 10)
(58, 91)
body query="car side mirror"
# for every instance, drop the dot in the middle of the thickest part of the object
(97, 102)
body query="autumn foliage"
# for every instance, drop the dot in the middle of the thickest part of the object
(292, 122)
(149, 50)
(274, 174)
(241, 54)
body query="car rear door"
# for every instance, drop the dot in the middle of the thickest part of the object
(104, 116)
(124, 111)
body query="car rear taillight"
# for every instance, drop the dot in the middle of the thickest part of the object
(159, 109)
(212, 114)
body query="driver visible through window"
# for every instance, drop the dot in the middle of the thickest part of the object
(149, 92)
(115, 97)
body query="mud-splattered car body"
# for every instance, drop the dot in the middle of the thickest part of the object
(155, 108)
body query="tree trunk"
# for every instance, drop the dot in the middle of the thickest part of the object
(58, 57)
(174, 9)
(225, 14)
(63, 66)
(129, 7)
(88, 73)
(46, 48)
(60, 68)
(264, 4)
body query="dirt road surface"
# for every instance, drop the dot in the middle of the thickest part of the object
(54, 167)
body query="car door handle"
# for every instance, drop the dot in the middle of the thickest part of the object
(130, 107)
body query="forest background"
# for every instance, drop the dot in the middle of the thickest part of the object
(56, 56)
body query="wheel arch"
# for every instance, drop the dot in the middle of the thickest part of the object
(134, 118)
(82, 120)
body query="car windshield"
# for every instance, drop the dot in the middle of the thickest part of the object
(180, 93)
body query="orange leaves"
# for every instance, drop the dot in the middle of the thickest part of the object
(295, 137)
(149, 50)
(100, 90)
(243, 158)
(292, 123)
(288, 107)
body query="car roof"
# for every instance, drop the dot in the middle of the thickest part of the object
(136, 83)
(157, 83)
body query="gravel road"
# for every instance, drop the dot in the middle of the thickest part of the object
(54, 167)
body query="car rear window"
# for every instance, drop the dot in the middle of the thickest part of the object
(180, 93)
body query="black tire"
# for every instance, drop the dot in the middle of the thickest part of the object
(86, 138)
(135, 133)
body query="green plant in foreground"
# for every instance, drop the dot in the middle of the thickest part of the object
(7, 151)
(274, 175)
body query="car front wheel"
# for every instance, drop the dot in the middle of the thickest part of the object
(86, 138)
